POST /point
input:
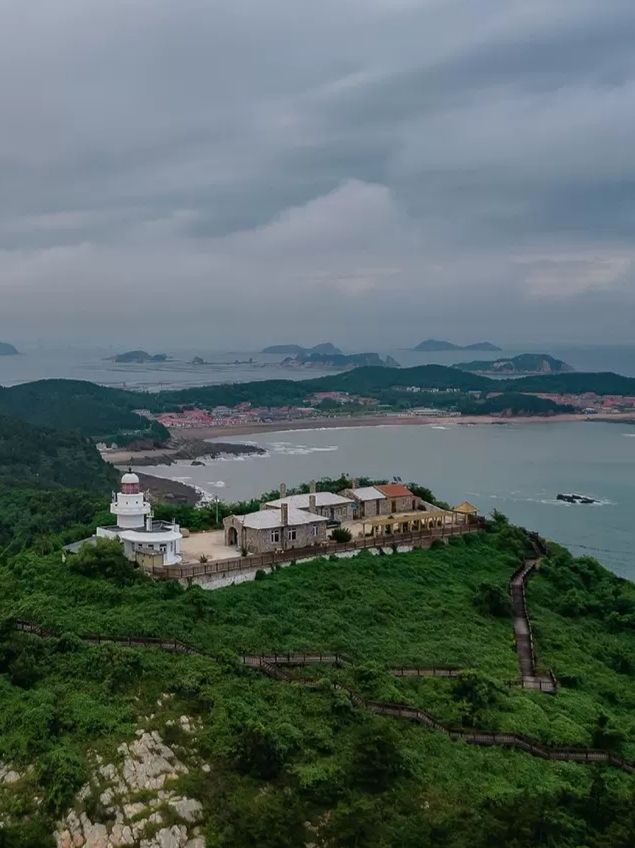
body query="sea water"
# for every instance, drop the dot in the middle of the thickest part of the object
(96, 364)
(516, 468)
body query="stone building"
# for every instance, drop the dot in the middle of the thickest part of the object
(275, 529)
(384, 499)
(336, 508)
(368, 501)
(399, 497)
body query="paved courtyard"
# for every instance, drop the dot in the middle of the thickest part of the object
(210, 544)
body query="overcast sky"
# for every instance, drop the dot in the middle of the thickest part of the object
(370, 172)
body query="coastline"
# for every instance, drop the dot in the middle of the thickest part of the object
(253, 429)
(192, 442)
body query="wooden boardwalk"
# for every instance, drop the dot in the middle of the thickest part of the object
(274, 666)
(525, 648)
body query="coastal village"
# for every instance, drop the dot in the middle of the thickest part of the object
(338, 403)
(289, 526)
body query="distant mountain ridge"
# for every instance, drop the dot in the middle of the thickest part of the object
(298, 350)
(525, 364)
(438, 344)
(7, 349)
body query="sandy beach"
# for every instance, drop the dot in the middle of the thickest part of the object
(252, 429)
(181, 437)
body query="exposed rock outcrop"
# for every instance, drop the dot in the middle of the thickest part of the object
(136, 800)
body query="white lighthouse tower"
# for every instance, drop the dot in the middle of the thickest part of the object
(129, 506)
(145, 541)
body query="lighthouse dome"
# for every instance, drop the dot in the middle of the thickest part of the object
(129, 479)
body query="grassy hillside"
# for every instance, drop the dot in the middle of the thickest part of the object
(289, 765)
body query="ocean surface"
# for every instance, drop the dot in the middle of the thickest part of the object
(94, 364)
(515, 468)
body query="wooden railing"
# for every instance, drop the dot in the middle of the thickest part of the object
(273, 666)
(523, 632)
(254, 562)
(474, 737)
(339, 661)
(174, 646)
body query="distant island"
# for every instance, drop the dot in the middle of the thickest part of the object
(298, 350)
(338, 360)
(139, 356)
(436, 345)
(524, 364)
(7, 349)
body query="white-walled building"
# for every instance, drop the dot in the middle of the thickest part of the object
(145, 541)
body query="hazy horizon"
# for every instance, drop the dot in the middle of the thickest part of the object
(357, 170)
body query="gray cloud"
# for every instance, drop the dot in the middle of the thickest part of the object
(355, 169)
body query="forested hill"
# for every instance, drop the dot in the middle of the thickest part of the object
(42, 458)
(87, 408)
(108, 414)
(358, 381)
(376, 379)
(600, 383)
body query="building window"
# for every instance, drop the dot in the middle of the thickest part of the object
(275, 535)
(314, 530)
(292, 535)
(393, 506)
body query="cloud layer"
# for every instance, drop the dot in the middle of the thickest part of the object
(363, 170)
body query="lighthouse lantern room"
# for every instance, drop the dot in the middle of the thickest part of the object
(130, 506)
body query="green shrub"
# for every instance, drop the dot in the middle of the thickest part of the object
(377, 759)
(104, 559)
(61, 771)
(341, 534)
(492, 599)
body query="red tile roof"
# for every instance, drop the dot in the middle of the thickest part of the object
(395, 490)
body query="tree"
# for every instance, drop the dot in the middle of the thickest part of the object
(104, 559)
(261, 751)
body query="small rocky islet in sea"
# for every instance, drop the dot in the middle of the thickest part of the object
(573, 498)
